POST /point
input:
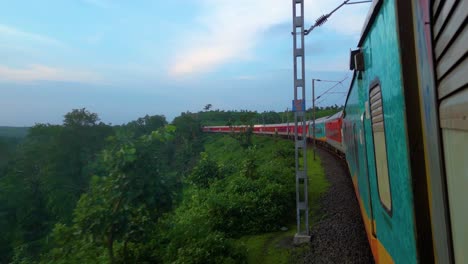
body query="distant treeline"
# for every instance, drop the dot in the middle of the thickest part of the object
(13, 132)
(221, 117)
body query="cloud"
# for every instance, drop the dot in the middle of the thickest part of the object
(14, 32)
(44, 73)
(229, 30)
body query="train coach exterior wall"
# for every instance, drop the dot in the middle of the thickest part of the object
(394, 230)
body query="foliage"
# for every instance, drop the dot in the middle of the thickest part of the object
(116, 219)
(7, 148)
(145, 125)
(254, 193)
(249, 164)
(188, 142)
(124, 202)
(207, 107)
(144, 192)
(190, 238)
(47, 174)
(205, 172)
(80, 118)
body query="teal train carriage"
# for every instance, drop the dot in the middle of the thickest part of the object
(319, 129)
(405, 130)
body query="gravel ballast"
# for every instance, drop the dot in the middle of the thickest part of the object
(339, 236)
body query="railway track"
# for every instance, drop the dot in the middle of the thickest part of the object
(339, 235)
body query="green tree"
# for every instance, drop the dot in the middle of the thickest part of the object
(206, 171)
(25, 218)
(49, 172)
(188, 142)
(145, 125)
(121, 206)
(80, 117)
(207, 107)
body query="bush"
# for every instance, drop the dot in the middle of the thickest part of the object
(248, 206)
(189, 237)
(206, 172)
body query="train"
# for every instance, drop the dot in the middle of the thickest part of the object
(327, 131)
(404, 130)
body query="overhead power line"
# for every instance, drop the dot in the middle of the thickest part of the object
(339, 83)
(323, 18)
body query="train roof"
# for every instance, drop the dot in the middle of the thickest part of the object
(371, 15)
(273, 125)
(335, 116)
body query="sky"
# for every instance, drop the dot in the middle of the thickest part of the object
(125, 59)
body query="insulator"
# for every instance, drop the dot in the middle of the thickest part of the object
(321, 20)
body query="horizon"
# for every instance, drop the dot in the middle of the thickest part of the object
(125, 60)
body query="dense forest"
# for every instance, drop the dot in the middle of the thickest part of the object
(143, 192)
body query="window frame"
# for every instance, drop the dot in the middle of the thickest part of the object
(374, 84)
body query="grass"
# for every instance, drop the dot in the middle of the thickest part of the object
(271, 247)
(318, 184)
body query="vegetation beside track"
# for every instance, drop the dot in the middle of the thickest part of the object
(147, 192)
(276, 247)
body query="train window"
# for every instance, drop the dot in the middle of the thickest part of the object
(378, 131)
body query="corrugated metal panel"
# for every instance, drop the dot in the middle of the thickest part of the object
(451, 46)
(443, 16)
(436, 6)
(376, 109)
(453, 25)
(454, 80)
(454, 53)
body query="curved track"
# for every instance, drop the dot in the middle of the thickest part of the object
(339, 236)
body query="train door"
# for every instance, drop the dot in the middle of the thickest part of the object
(378, 176)
(365, 172)
(450, 46)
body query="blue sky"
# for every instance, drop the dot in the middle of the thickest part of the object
(125, 59)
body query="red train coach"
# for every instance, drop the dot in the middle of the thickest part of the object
(333, 130)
